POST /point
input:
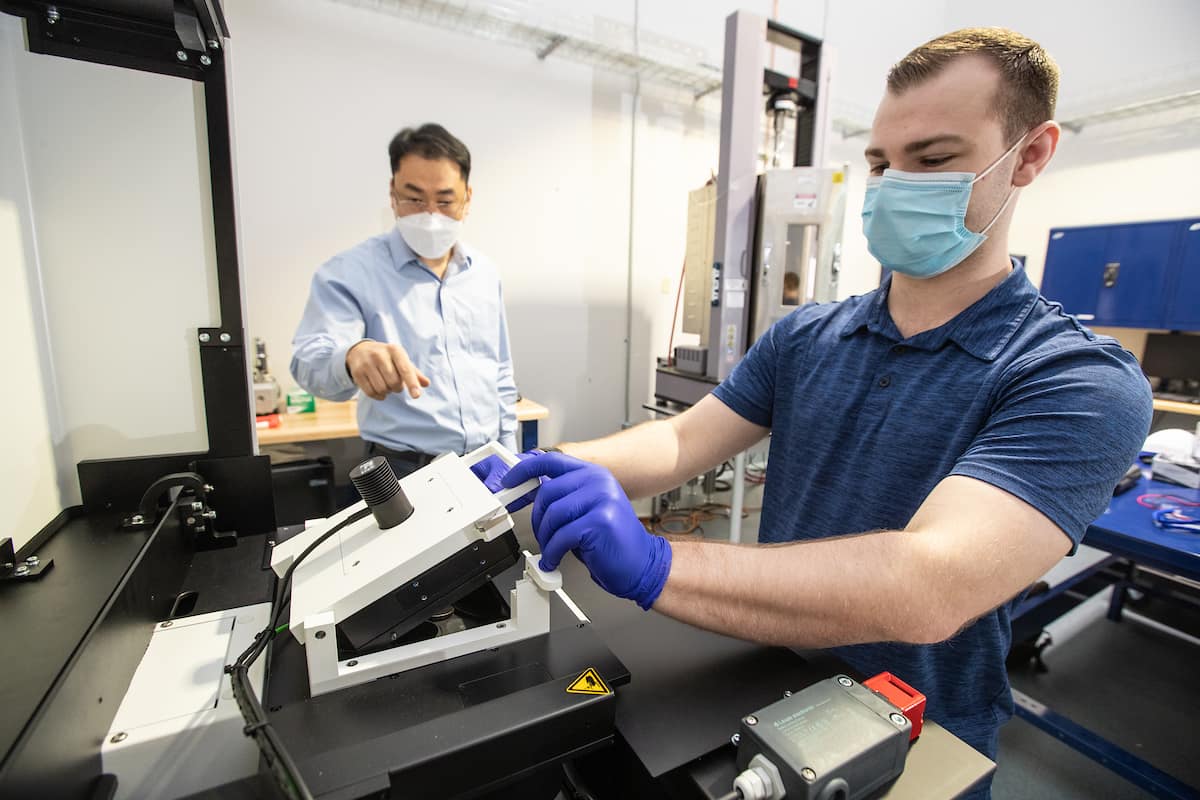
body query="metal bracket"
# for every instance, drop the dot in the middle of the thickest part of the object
(29, 568)
(147, 514)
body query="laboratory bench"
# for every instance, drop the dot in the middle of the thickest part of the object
(340, 421)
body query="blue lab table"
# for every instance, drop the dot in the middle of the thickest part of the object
(1126, 530)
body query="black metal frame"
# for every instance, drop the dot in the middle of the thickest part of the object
(807, 86)
(184, 39)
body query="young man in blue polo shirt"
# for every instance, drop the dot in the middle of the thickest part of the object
(937, 445)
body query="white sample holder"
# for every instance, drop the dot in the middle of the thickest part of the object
(452, 510)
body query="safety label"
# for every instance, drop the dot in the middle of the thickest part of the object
(588, 683)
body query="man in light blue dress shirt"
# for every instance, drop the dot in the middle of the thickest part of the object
(414, 319)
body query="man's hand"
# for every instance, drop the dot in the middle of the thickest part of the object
(380, 369)
(583, 509)
(491, 472)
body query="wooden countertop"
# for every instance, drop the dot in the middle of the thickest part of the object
(340, 420)
(1177, 407)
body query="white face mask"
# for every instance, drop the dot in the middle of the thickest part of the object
(429, 235)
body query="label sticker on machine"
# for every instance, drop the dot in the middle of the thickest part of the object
(805, 195)
(589, 682)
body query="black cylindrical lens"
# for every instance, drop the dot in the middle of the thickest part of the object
(377, 483)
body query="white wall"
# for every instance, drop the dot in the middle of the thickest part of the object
(115, 234)
(313, 183)
(1138, 189)
(1149, 187)
(319, 88)
(550, 145)
(29, 495)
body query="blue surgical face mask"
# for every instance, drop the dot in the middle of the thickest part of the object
(915, 221)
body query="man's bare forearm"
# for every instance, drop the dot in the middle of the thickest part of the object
(660, 455)
(644, 459)
(821, 593)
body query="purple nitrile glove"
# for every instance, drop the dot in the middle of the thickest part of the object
(582, 508)
(492, 470)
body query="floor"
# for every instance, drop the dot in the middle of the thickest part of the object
(1136, 686)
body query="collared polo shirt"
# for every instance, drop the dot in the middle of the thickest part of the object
(865, 422)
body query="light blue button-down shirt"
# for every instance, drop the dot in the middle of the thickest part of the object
(454, 330)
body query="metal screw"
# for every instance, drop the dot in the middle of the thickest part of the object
(808, 774)
(166, 624)
(751, 720)
(787, 692)
(416, 584)
(181, 55)
(736, 739)
(213, 44)
(32, 561)
(320, 634)
(205, 60)
(226, 338)
(191, 520)
(52, 15)
(424, 598)
(899, 719)
(351, 663)
(482, 563)
(475, 547)
(119, 737)
(21, 569)
(844, 681)
(204, 337)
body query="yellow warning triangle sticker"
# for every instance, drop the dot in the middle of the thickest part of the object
(588, 683)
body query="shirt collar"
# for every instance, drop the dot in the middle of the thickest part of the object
(403, 256)
(983, 329)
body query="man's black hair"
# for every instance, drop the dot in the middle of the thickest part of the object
(430, 141)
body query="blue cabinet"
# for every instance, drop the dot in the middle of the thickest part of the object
(1071, 276)
(1140, 275)
(1183, 296)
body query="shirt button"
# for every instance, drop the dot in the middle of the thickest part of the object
(885, 382)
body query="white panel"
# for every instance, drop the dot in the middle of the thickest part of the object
(119, 180)
(178, 730)
(172, 692)
(29, 496)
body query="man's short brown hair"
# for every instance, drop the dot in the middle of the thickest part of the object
(1028, 75)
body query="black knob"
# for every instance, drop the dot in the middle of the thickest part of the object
(377, 483)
